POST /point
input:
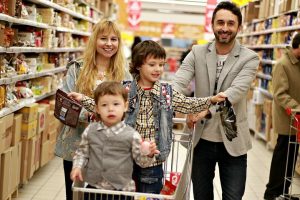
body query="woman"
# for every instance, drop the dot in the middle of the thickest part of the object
(103, 59)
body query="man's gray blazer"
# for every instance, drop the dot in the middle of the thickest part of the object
(235, 80)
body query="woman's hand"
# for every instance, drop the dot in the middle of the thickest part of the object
(218, 98)
(76, 174)
(76, 96)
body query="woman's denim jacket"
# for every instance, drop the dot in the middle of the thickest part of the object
(162, 112)
(69, 138)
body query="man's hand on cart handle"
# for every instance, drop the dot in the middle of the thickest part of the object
(193, 118)
(76, 174)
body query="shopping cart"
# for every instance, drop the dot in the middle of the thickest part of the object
(292, 179)
(177, 175)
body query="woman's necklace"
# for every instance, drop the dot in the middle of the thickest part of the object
(101, 75)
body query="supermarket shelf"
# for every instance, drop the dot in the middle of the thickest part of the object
(42, 49)
(30, 76)
(266, 46)
(14, 20)
(273, 16)
(273, 30)
(75, 32)
(63, 9)
(264, 76)
(265, 92)
(2, 50)
(23, 103)
(91, 6)
(265, 61)
(38, 98)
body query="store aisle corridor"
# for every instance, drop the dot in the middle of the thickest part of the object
(48, 183)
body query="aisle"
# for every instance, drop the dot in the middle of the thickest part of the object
(48, 183)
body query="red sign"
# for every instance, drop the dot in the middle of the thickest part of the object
(134, 13)
(211, 5)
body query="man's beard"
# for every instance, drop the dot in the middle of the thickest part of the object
(227, 40)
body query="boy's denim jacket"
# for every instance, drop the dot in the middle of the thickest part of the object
(162, 112)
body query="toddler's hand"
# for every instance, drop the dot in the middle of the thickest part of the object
(76, 174)
(219, 97)
(149, 148)
(76, 96)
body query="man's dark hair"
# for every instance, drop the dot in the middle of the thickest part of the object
(226, 5)
(296, 41)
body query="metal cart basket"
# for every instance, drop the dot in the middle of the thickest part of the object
(292, 179)
(179, 163)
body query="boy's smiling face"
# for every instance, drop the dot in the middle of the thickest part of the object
(111, 109)
(151, 70)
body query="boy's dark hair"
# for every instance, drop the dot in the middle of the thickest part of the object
(296, 41)
(142, 51)
(227, 5)
(110, 88)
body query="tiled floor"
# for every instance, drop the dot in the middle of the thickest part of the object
(48, 183)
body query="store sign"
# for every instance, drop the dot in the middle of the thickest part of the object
(168, 30)
(211, 5)
(134, 13)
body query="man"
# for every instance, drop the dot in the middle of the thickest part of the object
(285, 95)
(222, 65)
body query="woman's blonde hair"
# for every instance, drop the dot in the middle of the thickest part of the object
(116, 71)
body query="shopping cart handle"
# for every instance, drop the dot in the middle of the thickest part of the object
(179, 120)
(289, 111)
(78, 184)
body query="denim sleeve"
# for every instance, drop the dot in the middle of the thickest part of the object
(70, 80)
(69, 85)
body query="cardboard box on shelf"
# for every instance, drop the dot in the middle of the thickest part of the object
(17, 125)
(52, 135)
(7, 138)
(6, 123)
(16, 167)
(29, 112)
(252, 10)
(51, 149)
(31, 156)
(5, 172)
(37, 154)
(52, 104)
(44, 153)
(41, 119)
(44, 137)
(28, 130)
(24, 163)
(47, 110)
(9, 120)
(2, 135)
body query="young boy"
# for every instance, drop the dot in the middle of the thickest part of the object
(108, 148)
(151, 108)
